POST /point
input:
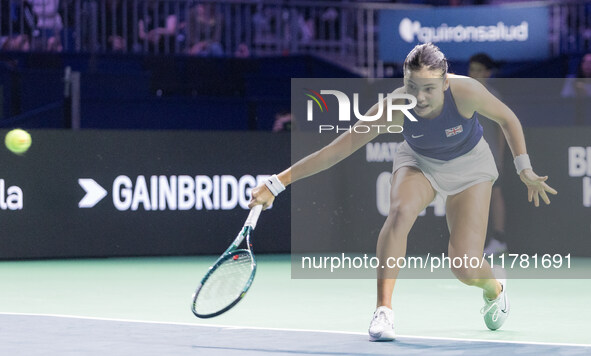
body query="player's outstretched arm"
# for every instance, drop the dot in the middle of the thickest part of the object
(339, 149)
(475, 97)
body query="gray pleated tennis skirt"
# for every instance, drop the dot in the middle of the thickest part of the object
(453, 176)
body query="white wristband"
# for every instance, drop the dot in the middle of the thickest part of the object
(522, 162)
(274, 185)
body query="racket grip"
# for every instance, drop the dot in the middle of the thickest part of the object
(253, 216)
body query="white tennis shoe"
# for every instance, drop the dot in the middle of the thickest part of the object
(381, 327)
(496, 311)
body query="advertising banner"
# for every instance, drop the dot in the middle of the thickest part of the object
(503, 32)
(137, 193)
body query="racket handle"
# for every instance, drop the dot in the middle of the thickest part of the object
(253, 216)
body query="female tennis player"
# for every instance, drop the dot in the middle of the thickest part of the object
(443, 153)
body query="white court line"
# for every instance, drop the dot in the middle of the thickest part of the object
(286, 329)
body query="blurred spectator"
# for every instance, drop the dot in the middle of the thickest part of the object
(14, 34)
(307, 28)
(160, 25)
(481, 68)
(15, 43)
(48, 34)
(242, 51)
(119, 25)
(579, 85)
(467, 2)
(204, 31)
(282, 121)
(329, 27)
(266, 21)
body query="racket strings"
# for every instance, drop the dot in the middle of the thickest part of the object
(225, 284)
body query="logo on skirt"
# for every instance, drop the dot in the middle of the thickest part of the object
(454, 131)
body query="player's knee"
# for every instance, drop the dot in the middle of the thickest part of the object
(401, 212)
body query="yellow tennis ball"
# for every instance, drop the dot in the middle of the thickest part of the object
(18, 141)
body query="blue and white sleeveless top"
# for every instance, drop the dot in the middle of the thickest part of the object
(444, 137)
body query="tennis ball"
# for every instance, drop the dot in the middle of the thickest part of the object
(18, 141)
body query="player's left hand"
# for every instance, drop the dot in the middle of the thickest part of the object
(536, 187)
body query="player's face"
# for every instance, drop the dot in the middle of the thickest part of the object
(478, 71)
(428, 87)
(586, 65)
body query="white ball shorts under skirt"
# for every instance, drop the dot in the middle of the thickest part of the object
(453, 176)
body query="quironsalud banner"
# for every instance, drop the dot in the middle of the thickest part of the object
(503, 32)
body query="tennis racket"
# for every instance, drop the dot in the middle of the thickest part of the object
(229, 278)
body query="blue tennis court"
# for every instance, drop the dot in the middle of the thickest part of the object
(122, 306)
(63, 335)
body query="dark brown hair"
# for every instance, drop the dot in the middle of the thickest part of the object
(426, 55)
(483, 59)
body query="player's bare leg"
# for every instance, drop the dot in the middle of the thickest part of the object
(411, 192)
(467, 217)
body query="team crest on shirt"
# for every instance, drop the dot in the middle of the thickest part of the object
(454, 131)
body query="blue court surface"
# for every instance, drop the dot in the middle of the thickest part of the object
(141, 306)
(60, 335)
